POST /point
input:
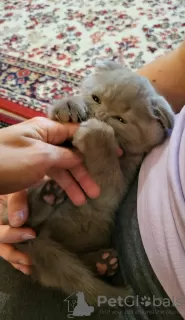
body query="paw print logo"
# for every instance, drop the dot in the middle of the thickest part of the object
(145, 301)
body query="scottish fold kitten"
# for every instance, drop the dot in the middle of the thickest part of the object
(116, 107)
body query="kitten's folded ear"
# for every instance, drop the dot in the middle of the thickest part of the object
(163, 111)
(108, 65)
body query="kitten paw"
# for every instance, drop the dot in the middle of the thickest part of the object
(93, 134)
(107, 265)
(71, 109)
(52, 194)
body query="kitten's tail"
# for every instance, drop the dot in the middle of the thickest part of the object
(56, 267)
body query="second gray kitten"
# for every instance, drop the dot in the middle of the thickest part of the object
(116, 107)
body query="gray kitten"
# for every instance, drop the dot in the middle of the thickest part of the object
(116, 107)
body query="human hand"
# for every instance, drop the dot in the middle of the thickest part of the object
(17, 207)
(17, 203)
(29, 151)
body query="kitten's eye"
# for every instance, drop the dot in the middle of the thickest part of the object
(157, 113)
(120, 119)
(95, 98)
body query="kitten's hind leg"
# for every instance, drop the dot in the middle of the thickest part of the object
(54, 266)
(102, 262)
(107, 265)
(42, 202)
(107, 262)
(52, 193)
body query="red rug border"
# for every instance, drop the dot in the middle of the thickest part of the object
(19, 110)
(59, 73)
(8, 119)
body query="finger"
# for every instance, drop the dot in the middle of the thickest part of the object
(63, 158)
(10, 254)
(15, 235)
(70, 186)
(24, 269)
(3, 199)
(51, 131)
(58, 133)
(3, 208)
(86, 182)
(17, 208)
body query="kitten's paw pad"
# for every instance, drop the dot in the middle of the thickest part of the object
(107, 264)
(92, 133)
(71, 109)
(52, 194)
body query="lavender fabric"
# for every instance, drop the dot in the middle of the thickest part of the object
(161, 212)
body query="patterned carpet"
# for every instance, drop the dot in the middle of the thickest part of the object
(48, 46)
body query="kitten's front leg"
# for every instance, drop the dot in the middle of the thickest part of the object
(96, 141)
(70, 109)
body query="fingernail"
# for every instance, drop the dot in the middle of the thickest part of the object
(23, 271)
(26, 273)
(22, 262)
(80, 203)
(17, 218)
(26, 236)
(94, 192)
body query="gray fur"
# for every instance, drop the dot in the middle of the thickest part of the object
(67, 235)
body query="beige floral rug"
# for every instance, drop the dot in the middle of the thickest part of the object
(48, 46)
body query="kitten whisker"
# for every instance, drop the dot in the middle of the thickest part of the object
(57, 117)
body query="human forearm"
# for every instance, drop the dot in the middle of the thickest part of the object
(167, 74)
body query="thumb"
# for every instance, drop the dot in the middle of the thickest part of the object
(48, 130)
(17, 208)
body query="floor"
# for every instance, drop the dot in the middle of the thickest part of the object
(46, 47)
